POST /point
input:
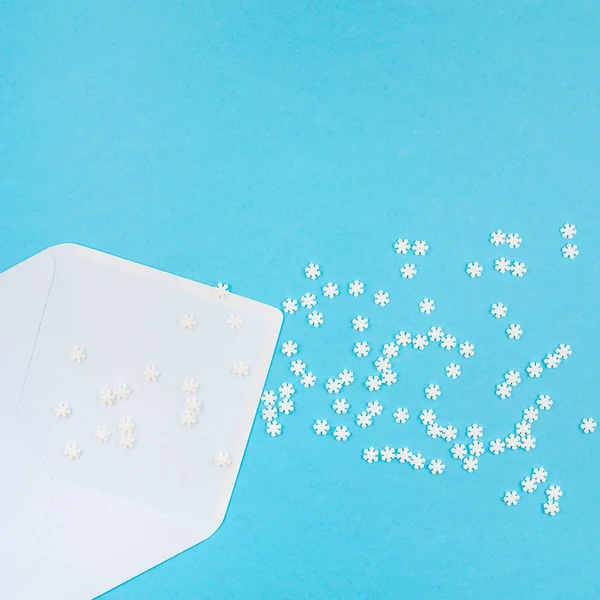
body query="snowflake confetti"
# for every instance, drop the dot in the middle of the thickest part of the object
(333, 386)
(374, 408)
(341, 433)
(528, 485)
(297, 367)
(554, 492)
(308, 380)
(268, 398)
(513, 240)
(102, 434)
(321, 427)
(308, 301)
(544, 402)
(188, 417)
(476, 448)
(498, 237)
(401, 415)
(189, 386)
(427, 306)
(427, 416)
(151, 373)
(499, 310)
(361, 349)
(340, 406)
(436, 467)
(417, 461)
(511, 498)
(106, 397)
(381, 298)
(435, 334)
(122, 392)
(518, 269)
(290, 306)
(504, 390)
(570, 251)
(192, 403)
(364, 420)
(551, 508)
(474, 270)
(312, 271)
(403, 339)
(402, 246)
(448, 342)
(475, 431)
(222, 460)
(458, 451)
(552, 361)
(346, 377)
(420, 248)
(530, 414)
(286, 406)
(528, 443)
(470, 464)
(188, 322)
(360, 323)
(356, 288)
(371, 455)
(588, 425)
(539, 475)
(497, 446)
(330, 290)
(420, 342)
(514, 332)
(315, 319)
(126, 425)
(563, 351)
(502, 265)
(72, 451)
(432, 391)
(568, 231)
(239, 369)
(62, 410)
(289, 348)
(408, 271)
(404, 455)
(273, 428)
(453, 371)
(534, 370)
(77, 354)
(388, 454)
(467, 349)
(513, 378)
(286, 390)
(373, 383)
(269, 413)
(235, 322)
(222, 291)
(513, 442)
(390, 350)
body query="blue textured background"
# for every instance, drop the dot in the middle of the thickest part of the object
(237, 141)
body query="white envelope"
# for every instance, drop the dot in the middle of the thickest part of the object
(73, 529)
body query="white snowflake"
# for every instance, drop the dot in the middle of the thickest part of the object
(381, 298)
(511, 498)
(449, 433)
(528, 485)
(102, 434)
(346, 377)
(388, 454)
(518, 269)
(513, 240)
(188, 417)
(435, 334)
(453, 371)
(568, 231)
(402, 246)
(502, 265)
(315, 319)
(408, 271)
(514, 331)
(360, 323)
(356, 288)
(467, 349)
(459, 451)
(404, 455)
(286, 390)
(239, 369)
(268, 398)
(513, 442)
(364, 420)
(530, 414)
(222, 460)
(534, 369)
(126, 425)
(289, 348)
(474, 269)
(269, 413)
(554, 492)
(432, 391)
(403, 339)
(523, 428)
(513, 378)
(427, 306)
(273, 428)
(62, 410)
(498, 237)
(436, 467)
(383, 364)
(290, 306)
(72, 451)
(122, 392)
(551, 508)
(552, 361)
(190, 386)
(188, 322)
(77, 354)
(235, 322)
(434, 431)
(106, 397)
(297, 367)
(333, 386)
(390, 350)
(312, 271)
(341, 406)
(151, 373)
(222, 291)
(373, 383)
(570, 251)
(308, 301)
(420, 248)
(341, 433)
(330, 290)
(448, 342)
(540, 475)
(286, 406)
(476, 448)
(528, 443)
(475, 431)
(544, 402)
(192, 403)
(504, 390)
(499, 310)
(371, 455)
(563, 351)
(374, 408)
(497, 446)
(470, 464)
(401, 415)
(427, 416)
(420, 342)
(361, 349)
(588, 425)
(308, 379)
(417, 461)
(321, 427)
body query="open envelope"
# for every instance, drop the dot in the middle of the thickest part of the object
(111, 461)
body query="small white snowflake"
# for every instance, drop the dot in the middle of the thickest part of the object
(523, 428)
(122, 392)
(356, 288)
(373, 383)
(449, 433)
(106, 397)
(286, 406)
(453, 371)
(222, 291)
(570, 251)
(404, 455)
(435, 334)
(286, 390)
(403, 339)
(402, 246)
(374, 408)
(188, 417)
(499, 310)
(504, 390)
(371, 455)
(364, 420)
(273, 428)
(341, 433)
(388, 454)
(269, 413)
(330, 290)
(383, 365)
(381, 298)
(568, 231)
(389, 378)
(308, 301)
(534, 369)
(476, 448)
(513, 442)
(297, 367)
(514, 331)
(467, 349)
(434, 431)
(436, 467)
(420, 342)
(420, 248)
(458, 451)
(188, 322)
(239, 369)
(312, 271)
(544, 402)
(235, 322)
(474, 269)
(315, 319)
(408, 271)
(72, 451)
(192, 403)
(513, 378)
(539, 475)
(289, 348)
(554, 492)
(432, 391)
(552, 361)
(290, 306)
(102, 434)
(390, 350)
(588, 425)
(497, 446)
(222, 460)
(475, 431)
(62, 410)
(189, 386)
(341, 406)
(470, 464)
(530, 414)
(427, 416)
(126, 425)
(321, 427)
(360, 323)
(518, 269)
(417, 461)
(268, 398)
(563, 351)
(308, 379)
(502, 265)
(427, 306)
(333, 386)
(551, 508)
(448, 342)
(528, 443)
(77, 354)
(498, 237)
(346, 377)
(513, 240)
(361, 349)
(151, 373)
(401, 415)
(511, 498)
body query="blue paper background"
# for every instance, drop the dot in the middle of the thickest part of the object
(237, 141)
